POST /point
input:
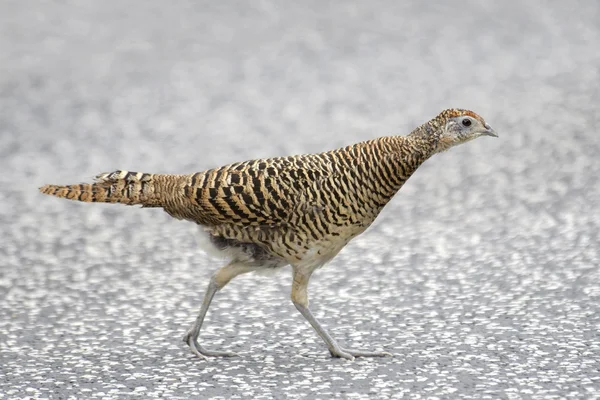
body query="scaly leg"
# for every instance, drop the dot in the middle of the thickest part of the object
(300, 300)
(217, 282)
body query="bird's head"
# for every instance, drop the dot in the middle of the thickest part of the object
(452, 127)
(457, 126)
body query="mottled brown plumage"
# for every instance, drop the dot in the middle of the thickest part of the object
(298, 210)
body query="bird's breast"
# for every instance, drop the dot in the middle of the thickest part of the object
(314, 252)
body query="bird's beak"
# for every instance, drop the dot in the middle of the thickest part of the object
(489, 131)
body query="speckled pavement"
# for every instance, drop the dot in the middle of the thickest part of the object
(482, 275)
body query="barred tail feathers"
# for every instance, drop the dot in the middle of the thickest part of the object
(123, 187)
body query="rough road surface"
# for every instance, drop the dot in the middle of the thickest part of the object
(482, 276)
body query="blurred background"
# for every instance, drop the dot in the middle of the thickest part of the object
(481, 275)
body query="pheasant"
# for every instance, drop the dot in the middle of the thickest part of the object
(297, 210)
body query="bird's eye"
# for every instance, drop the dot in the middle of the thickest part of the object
(466, 122)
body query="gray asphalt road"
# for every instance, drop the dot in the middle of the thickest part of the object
(482, 275)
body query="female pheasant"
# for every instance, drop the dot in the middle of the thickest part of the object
(298, 210)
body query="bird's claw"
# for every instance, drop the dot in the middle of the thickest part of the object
(351, 354)
(191, 338)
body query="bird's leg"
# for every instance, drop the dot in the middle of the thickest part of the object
(217, 282)
(300, 300)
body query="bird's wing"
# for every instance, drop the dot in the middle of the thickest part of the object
(261, 193)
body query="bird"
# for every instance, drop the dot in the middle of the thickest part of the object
(298, 211)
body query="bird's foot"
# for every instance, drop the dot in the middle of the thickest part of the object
(191, 338)
(350, 354)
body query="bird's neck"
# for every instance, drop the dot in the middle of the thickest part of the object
(399, 157)
(426, 138)
(380, 167)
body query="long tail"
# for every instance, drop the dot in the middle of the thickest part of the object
(115, 187)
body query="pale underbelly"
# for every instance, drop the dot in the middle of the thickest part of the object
(280, 248)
